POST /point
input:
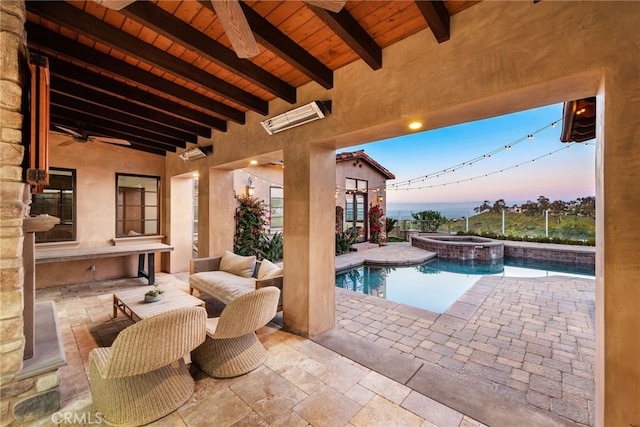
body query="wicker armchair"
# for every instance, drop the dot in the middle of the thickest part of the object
(232, 347)
(142, 376)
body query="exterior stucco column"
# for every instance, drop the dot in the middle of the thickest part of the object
(309, 243)
(617, 237)
(216, 206)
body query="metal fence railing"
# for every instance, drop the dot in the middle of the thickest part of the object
(512, 225)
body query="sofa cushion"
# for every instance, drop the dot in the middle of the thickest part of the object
(268, 270)
(237, 264)
(222, 285)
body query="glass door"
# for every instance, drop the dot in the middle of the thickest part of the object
(356, 212)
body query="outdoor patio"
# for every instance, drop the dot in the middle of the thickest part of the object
(510, 351)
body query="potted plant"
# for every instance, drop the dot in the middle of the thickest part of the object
(154, 295)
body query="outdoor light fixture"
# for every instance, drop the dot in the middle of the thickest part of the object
(307, 113)
(196, 153)
(250, 188)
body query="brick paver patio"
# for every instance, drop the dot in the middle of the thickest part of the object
(529, 339)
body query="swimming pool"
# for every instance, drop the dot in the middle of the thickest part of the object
(436, 284)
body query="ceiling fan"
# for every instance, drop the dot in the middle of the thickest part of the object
(83, 136)
(234, 22)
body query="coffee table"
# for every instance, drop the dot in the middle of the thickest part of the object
(131, 303)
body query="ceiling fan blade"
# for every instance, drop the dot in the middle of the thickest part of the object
(70, 131)
(67, 142)
(331, 5)
(236, 27)
(107, 140)
(114, 4)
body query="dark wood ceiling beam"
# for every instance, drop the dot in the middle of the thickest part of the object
(59, 45)
(75, 19)
(83, 77)
(162, 22)
(72, 113)
(352, 33)
(102, 99)
(276, 41)
(136, 142)
(437, 17)
(116, 117)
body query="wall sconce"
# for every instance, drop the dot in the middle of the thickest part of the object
(380, 199)
(250, 188)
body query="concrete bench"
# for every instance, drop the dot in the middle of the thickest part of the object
(43, 256)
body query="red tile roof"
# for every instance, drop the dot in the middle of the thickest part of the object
(361, 155)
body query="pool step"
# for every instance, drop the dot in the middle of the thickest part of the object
(364, 246)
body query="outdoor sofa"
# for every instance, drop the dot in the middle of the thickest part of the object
(230, 276)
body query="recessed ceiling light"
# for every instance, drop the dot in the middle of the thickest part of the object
(253, 162)
(415, 125)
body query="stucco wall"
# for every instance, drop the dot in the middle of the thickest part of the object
(96, 165)
(376, 184)
(502, 57)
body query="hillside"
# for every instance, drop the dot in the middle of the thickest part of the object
(519, 224)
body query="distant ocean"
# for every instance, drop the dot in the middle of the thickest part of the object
(449, 210)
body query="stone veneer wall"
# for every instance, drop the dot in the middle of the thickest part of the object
(452, 247)
(12, 189)
(577, 256)
(27, 399)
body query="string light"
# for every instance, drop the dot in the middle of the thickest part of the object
(485, 156)
(264, 180)
(568, 146)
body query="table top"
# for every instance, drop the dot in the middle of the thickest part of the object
(172, 299)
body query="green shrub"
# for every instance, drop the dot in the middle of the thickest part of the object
(536, 239)
(251, 218)
(389, 225)
(272, 247)
(344, 240)
(429, 221)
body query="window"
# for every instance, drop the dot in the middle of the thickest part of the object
(59, 200)
(276, 201)
(137, 205)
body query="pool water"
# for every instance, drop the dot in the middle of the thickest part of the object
(438, 283)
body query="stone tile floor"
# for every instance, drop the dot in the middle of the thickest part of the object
(528, 341)
(301, 382)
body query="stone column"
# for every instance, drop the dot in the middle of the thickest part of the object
(309, 245)
(12, 191)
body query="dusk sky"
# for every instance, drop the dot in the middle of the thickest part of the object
(565, 175)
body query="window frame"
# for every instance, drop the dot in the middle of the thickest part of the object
(143, 207)
(271, 216)
(74, 205)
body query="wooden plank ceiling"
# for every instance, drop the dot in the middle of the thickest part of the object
(161, 73)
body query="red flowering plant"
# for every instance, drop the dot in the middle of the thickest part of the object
(251, 218)
(376, 224)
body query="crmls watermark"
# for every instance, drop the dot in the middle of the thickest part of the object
(82, 418)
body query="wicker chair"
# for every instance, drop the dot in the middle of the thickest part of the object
(142, 377)
(232, 347)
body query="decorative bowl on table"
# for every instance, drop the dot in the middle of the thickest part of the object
(155, 294)
(152, 298)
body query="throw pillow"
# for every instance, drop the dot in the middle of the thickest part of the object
(268, 270)
(237, 264)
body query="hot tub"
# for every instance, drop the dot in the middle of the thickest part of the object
(460, 247)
